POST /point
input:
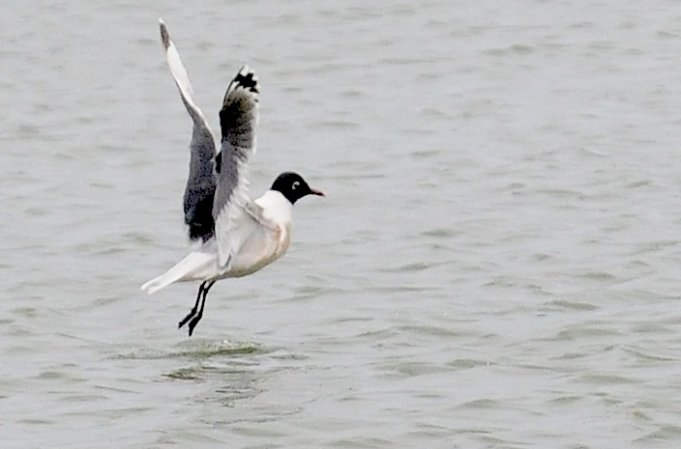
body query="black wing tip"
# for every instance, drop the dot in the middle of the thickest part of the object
(201, 231)
(245, 79)
(165, 36)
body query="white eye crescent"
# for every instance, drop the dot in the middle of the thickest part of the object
(295, 185)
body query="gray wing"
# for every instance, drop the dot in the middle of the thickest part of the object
(238, 119)
(200, 189)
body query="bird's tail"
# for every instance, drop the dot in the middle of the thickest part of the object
(195, 266)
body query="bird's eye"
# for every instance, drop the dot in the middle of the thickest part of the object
(295, 185)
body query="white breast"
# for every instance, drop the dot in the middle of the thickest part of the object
(276, 207)
(270, 241)
(279, 210)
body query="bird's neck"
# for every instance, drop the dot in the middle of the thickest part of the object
(276, 207)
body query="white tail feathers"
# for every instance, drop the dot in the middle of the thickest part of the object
(195, 266)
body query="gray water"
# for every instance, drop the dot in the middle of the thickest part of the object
(496, 264)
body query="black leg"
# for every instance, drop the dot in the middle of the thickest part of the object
(197, 317)
(196, 305)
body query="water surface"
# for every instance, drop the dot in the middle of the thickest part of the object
(496, 264)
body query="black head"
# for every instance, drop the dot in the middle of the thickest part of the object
(293, 187)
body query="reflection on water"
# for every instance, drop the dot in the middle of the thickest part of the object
(198, 348)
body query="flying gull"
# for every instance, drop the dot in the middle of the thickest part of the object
(237, 235)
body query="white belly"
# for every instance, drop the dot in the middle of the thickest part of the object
(260, 251)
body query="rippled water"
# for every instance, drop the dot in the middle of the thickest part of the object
(496, 264)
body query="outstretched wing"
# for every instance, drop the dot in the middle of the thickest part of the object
(238, 119)
(200, 190)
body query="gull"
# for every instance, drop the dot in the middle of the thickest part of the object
(236, 235)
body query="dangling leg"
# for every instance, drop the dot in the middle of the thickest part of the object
(197, 317)
(196, 305)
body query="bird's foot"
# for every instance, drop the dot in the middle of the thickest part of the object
(194, 322)
(189, 316)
